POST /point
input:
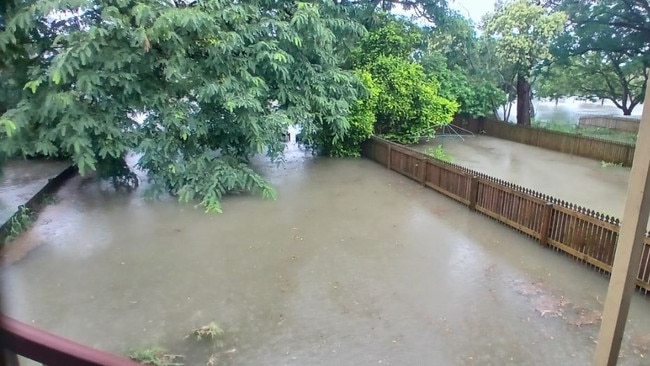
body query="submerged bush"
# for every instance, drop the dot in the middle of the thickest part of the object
(19, 223)
(361, 123)
(211, 331)
(439, 153)
(156, 356)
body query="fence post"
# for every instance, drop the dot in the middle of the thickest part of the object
(630, 156)
(473, 192)
(423, 171)
(546, 224)
(388, 156)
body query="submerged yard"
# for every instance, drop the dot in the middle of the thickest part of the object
(586, 182)
(352, 264)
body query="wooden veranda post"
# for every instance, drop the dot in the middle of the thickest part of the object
(628, 248)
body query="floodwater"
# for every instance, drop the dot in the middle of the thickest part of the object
(570, 110)
(579, 180)
(351, 265)
(21, 179)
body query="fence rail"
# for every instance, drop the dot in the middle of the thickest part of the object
(588, 147)
(586, 235)
(21, 339)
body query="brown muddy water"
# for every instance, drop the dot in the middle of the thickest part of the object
(575, 179)
(351, 265)
(21, 179)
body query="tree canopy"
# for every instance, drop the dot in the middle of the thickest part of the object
(409, 105)
(215, 81)
(523, 32)
(460, 61)
(609, 67)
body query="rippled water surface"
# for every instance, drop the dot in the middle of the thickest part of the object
(351, 265)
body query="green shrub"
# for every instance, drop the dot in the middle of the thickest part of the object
(439, 153)
(408, 106)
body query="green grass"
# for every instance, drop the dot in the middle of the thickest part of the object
(210, 331)
(155, 356)
(439, 153)
(607, 164)
(597, 132)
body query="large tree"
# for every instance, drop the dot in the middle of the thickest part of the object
(216, 82)
(606, 66)
(523, 32)
(600, 20)
(465, 66)
(599, 75)
(555, 82)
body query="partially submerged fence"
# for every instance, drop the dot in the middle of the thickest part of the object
(588, 147)
(620, 123)
(588, 236)
(35, 203)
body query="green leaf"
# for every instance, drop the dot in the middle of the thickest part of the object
(32, 85)
(9, 126)
(56, 76)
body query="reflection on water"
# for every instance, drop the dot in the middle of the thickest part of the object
(570, 110)
(351, 265)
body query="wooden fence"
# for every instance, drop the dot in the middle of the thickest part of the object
(586, 235)
(35, 203)
(620, 123)
(588, 147)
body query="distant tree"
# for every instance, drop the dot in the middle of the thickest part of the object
(523, 33)
(603, 66)
(600, 75)
(593, 22)
(555, 82)
(454, 56)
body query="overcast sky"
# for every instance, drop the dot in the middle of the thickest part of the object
(473, 9)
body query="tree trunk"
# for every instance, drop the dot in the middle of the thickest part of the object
(523, 101)
(627, 111)
(532, 106)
